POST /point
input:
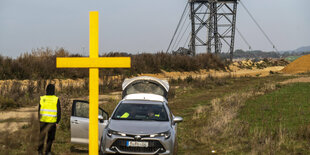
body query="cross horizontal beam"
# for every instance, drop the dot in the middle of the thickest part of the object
(101, 62)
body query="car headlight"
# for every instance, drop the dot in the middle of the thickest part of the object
(166, 134)
(112, 132)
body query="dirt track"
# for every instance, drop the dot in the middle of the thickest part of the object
(295, 80)
(13, 120)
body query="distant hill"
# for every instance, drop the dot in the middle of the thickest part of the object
(300, 50)
(303, 49)
(251, 54)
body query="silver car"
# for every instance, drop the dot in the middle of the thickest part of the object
(141, 123)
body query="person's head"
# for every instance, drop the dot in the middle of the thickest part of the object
(50, 89)
(150, 113)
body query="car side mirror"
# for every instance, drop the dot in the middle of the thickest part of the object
(100, 118)
(177, 119)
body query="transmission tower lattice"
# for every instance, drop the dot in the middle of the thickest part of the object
(213, 25)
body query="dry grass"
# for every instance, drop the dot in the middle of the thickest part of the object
(260, 64)
(295, 80)
(219, 115)
(21, 93)
(234, 125)
(219, 120)
(14, 95)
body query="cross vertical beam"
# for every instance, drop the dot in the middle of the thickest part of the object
(94, 62)
(93, 83)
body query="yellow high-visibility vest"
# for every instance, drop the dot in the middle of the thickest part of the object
(48, 110)
(125, 115)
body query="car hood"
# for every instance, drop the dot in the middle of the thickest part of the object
(139, 127)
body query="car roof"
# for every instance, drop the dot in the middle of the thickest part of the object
(141, 102)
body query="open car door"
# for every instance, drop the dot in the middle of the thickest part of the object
(79, 122)
(145, 84)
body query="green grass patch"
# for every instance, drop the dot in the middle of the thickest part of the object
(288, 107)
(291, 58)
(278, 122)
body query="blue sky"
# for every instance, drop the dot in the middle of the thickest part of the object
(137, 25)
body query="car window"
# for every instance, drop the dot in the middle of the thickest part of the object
(145, 87)
(126, 111)
(81, 109)
(103, 114)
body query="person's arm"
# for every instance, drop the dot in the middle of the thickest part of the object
(58, 111)
(39, 111)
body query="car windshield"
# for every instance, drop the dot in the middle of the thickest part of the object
(131, 111)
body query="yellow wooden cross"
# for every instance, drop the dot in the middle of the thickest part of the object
(94, 62)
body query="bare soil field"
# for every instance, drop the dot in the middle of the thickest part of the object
(12, 121)
(300, 65)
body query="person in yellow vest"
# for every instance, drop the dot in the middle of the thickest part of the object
(49, 115)
(152, 115)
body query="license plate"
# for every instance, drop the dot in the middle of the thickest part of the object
(137, 144)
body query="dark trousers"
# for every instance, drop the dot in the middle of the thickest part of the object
(49, 130)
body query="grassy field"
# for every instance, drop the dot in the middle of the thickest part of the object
(280, 120)
(291, 58)
(209, 113)
(247, 115)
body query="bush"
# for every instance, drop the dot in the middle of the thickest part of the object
(41, 64)
(7, 103)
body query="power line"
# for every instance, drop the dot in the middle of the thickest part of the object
(186, 41)
(243, 38)
(177, 27)
(175, 45)
(183, 34)
(261, 29)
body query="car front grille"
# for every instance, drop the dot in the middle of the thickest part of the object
(154, 145)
